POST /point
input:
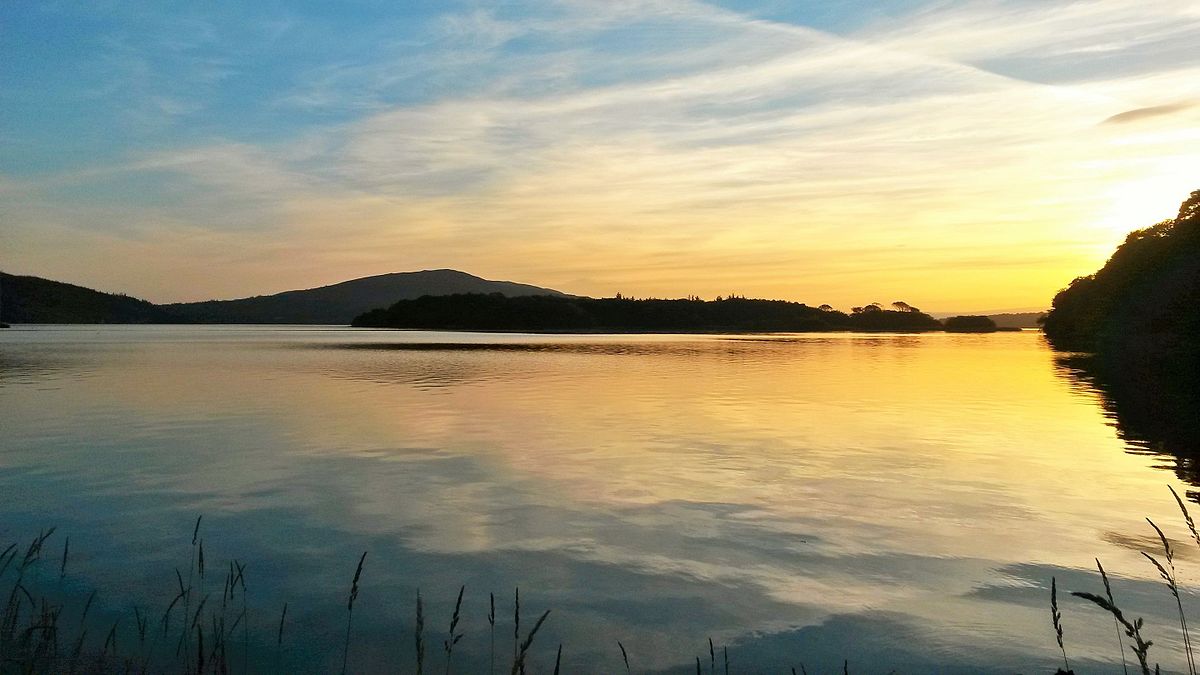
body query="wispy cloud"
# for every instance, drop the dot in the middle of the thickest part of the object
(677, 147)
(1138, 114)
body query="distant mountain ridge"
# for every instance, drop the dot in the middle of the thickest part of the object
(28, 299)
(339, 303)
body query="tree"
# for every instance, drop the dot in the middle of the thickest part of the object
(970, 324)
(1145, 299)
(1190, 208)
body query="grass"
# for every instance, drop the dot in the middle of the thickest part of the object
(43, 634)
(1133, 629)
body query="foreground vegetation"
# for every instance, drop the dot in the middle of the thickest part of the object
(199, 632)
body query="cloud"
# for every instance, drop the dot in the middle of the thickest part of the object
(1138, 114)
(671, 148)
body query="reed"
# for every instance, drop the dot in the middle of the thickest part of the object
(187, 599)
(279, 640)
(1169, 577)
(419, 635)
(519, 662)
(350, 609)
(1133, 629)
(492, 623)
(454, 636)
(1116, 624)
(1056, 616)
(32, 627)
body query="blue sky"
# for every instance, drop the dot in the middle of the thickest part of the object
(837, 152)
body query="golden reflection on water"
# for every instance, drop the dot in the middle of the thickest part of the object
(810, 467)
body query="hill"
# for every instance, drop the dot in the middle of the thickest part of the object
(1145, 298)
(25, 299)
(339, 303)
(573, 314)
(29, 299)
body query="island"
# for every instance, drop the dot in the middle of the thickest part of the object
(541, 313)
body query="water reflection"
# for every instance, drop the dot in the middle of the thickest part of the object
(897, 500)
(1153, 403)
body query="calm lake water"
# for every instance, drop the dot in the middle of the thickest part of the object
(900, 501)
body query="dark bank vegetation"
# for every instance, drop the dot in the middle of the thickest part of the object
(25, 299)
(969, 324)
(496, 312)
(1146, 298)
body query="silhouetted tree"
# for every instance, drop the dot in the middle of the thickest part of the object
(1190, 207)
(901, 306)
(969, 324)
(736, 314)
(1147, 296)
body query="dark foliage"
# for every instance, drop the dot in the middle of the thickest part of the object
(547, 313)
(1145, 298)
(969, 324)
(33, 300)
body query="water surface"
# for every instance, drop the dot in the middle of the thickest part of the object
(900, 501)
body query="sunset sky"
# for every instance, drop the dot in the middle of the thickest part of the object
(955, 155)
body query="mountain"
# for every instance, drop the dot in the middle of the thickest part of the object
(340, 303)
(35, 300)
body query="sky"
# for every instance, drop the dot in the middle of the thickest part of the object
(954, 155)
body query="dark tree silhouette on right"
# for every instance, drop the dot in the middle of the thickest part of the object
(1145, 301)
(1132, 333)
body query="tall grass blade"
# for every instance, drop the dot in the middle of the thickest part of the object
(1057, 618)
(454, 636)
(419, 635)
(1116, 625)
(350, 610)
(519, 662)
(1133, 629)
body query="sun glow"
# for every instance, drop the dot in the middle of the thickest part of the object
(1141, 203)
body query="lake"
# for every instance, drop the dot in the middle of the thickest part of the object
(897, 501)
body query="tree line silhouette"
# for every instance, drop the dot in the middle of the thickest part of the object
(620, 313)
(1145, 298)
